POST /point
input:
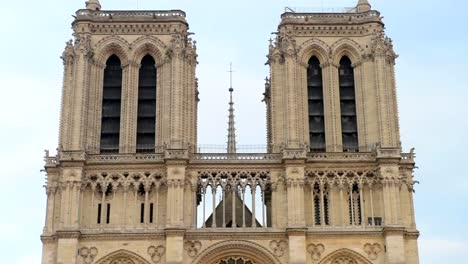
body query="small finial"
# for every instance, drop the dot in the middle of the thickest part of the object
(363, 6)
(93, 5)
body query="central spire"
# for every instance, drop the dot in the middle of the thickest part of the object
(231, 144)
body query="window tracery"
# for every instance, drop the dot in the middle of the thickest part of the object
(111, 104)
(236, 260)
(344, 260)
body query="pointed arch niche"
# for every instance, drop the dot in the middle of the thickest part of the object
(316, 112)
(349, 128)
(122, 257)
(344, 256)
(111, 104)
(146, 120)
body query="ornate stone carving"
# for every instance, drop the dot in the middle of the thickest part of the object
(315, 251)
(156, 253)
(69, 53)
(344, 260)
(88, 254)
(372, 250)
(192, 248)
(279, 247)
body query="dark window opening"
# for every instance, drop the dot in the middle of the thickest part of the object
(108, 214)
(348, 106)
(142, 213)
(317, 206)
(315, 106)
(151, 213)
(355, 206)
(111, 99)
(146, 121)
(99, 209)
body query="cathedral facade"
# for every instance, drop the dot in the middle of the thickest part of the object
(128, 186)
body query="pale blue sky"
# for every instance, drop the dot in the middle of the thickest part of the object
(430, 36)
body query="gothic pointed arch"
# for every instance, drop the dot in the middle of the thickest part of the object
(148, 45)
(314, 47)
(345, 256)
(146, 114)
(346, 47)
(349, 122)
(111, 105)
(113, 45)
(315, 102)
(122, 257)
(215, 254)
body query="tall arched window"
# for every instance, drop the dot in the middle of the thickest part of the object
(111, 99)
(315, 105)
(146, 105)
(348, 106)
(354, 203)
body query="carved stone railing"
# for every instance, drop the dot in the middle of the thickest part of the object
(408, 157)
(329, 18)
(341, 156)
(125, 158)
(244, 157)
(86, 14)
(51, 161)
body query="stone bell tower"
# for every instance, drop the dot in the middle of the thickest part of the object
(129, 186)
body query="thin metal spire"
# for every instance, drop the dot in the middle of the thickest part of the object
(231, 144)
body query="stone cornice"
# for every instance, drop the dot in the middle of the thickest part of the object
(296, 231)
(155, 235)
(412, 234)
(171, 232)
(68, 234)
(394, 230)
(238, 233)
(151, 16)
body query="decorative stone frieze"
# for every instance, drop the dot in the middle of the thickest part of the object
(192, 248)
(279, 247)
(88, 254)
(372, 250)
(156, 253)
(315, 251)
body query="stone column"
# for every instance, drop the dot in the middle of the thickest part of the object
(278, 98)
(388, 168)
(79, 93)
(297, 246)
(360, 109)
(174, 246)
(67, 247)
(128, 120)
(331, 98)
(395, 245)
(295, 194)
(176, 162)
(49, 222)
